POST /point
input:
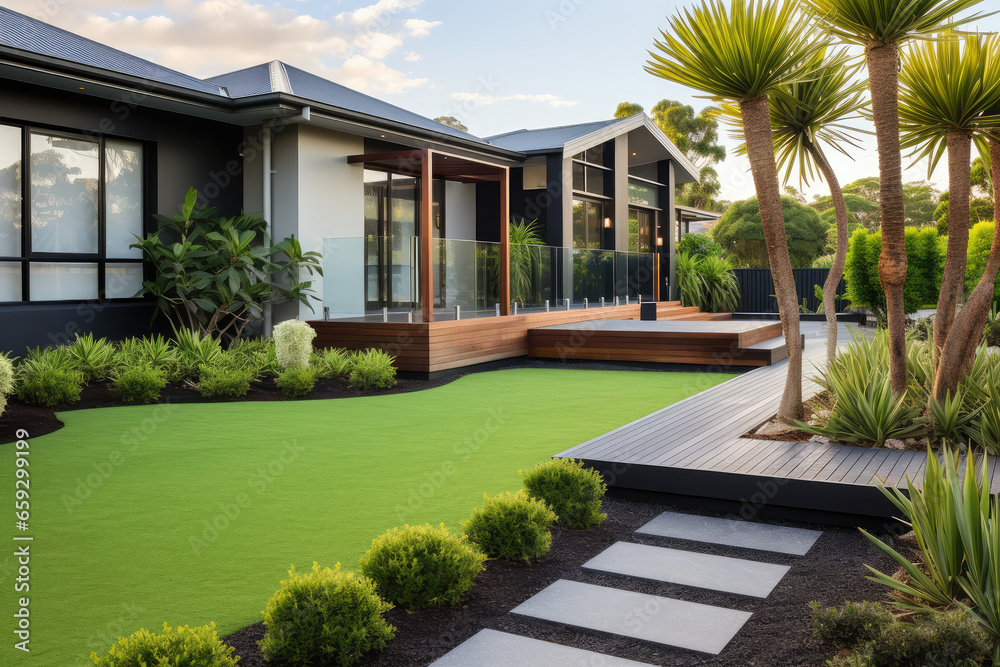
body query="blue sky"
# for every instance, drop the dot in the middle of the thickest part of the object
(498, 66)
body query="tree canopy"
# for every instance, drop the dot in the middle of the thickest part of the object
(740, 232)
(451, 121)
(627, 109)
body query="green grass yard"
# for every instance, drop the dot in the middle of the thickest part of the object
(193, 513)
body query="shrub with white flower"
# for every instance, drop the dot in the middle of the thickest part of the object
(293, 343)
(6, 381)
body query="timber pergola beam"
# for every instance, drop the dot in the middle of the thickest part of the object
(427, 165)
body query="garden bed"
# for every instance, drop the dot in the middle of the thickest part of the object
(778, 633)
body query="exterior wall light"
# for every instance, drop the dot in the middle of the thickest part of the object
(659, 240)
(607, 223)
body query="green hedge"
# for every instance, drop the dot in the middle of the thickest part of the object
(980, 239)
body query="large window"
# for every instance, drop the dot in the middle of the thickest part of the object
(588, 217)
(68, 216)
(589, 171)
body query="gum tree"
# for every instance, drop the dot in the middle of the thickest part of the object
(881, 27)
(805, 116)
(741, 55)
(947, 88)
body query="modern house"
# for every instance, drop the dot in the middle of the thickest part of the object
(410, 214)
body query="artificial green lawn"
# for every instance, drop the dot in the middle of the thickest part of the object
(317, 480)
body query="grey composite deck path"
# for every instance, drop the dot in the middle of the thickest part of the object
(695, 448)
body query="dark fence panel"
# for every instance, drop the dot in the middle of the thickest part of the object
(757, 289)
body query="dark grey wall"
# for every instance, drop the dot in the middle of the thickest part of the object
(183, 152)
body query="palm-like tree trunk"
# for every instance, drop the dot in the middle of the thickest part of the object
(883, 82)
(839, 255)
(760, 151)
(959, 351)
(953, 282)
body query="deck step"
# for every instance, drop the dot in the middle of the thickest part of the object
(716, 530)
(491, 648)
(653, 618)
(689, 568)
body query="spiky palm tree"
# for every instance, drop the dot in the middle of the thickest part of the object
(946, 88)
(957, 351)
(741, 55)
(805, 116)
(881, 27)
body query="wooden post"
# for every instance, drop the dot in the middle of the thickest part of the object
(505, 242)
(427, 236)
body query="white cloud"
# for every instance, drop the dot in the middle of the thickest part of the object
(209, 37)
(485, 100)
(419, 27)
(413, 56)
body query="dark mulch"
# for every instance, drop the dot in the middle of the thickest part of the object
(778, 633)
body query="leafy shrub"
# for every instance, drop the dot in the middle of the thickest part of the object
(851, 625)
(700, 245)
(139, 385)
(196, 351)
(690, 282)
(325, 617)
(174, 647)
(373, 369)
(332, 362)
(740, 232)
(949, 639)
(224, 381)
(513, 526)
(293, 343)
(6, 381)
(823, 262)
(255, 354)
(94, 358)
(722, 291)
(296, 381)
(48, 387)
(573, 492)
(980, 239)
(157, 352)
(422, 566)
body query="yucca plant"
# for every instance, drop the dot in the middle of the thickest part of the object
(946, 515)
(988, 426)
(690, 283)
(742, 54)
(722, 290)
(196, 350)
(523, 259)
(94, 357)
(806, 116)
(881, 27)
(951, 422)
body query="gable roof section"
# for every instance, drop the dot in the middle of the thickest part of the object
(272, 77)
(24, 33)
(573, 139)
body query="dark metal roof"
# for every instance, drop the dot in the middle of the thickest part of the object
(22, 32)
(259, 80)
(548, 138)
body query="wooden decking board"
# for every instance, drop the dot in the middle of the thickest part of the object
(896, 476)
(774, 452)
(803, 460)
(791, 453)
(749, 458)
(865, 474)
(835, 470)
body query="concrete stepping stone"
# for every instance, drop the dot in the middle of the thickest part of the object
(733, 533)
(490, 648)
(689, 568)
(653, 618)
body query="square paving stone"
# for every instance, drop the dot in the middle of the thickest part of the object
(653, 618)
(733, 533)
(689, 568)
(490, 648)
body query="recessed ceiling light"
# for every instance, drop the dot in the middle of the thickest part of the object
(634, 153)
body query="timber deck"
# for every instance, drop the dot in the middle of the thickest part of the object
(694, 450)
(730, 343)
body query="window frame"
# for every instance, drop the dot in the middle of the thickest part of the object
(100, 259)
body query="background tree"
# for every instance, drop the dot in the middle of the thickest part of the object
(944, 92)
(981, 204)
(860, 211)
(627, 109)
(742, 55)
(451, 121)
(740, 232)
(881, 27)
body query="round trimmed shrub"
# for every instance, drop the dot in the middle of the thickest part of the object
(416, 567)
(324, 617)
(853, 624)
(373, 369)
(572, 491)
(174, 647)
(296, 382)
(50, 387)
(224, 381)
(512, 526)
(139, 385)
